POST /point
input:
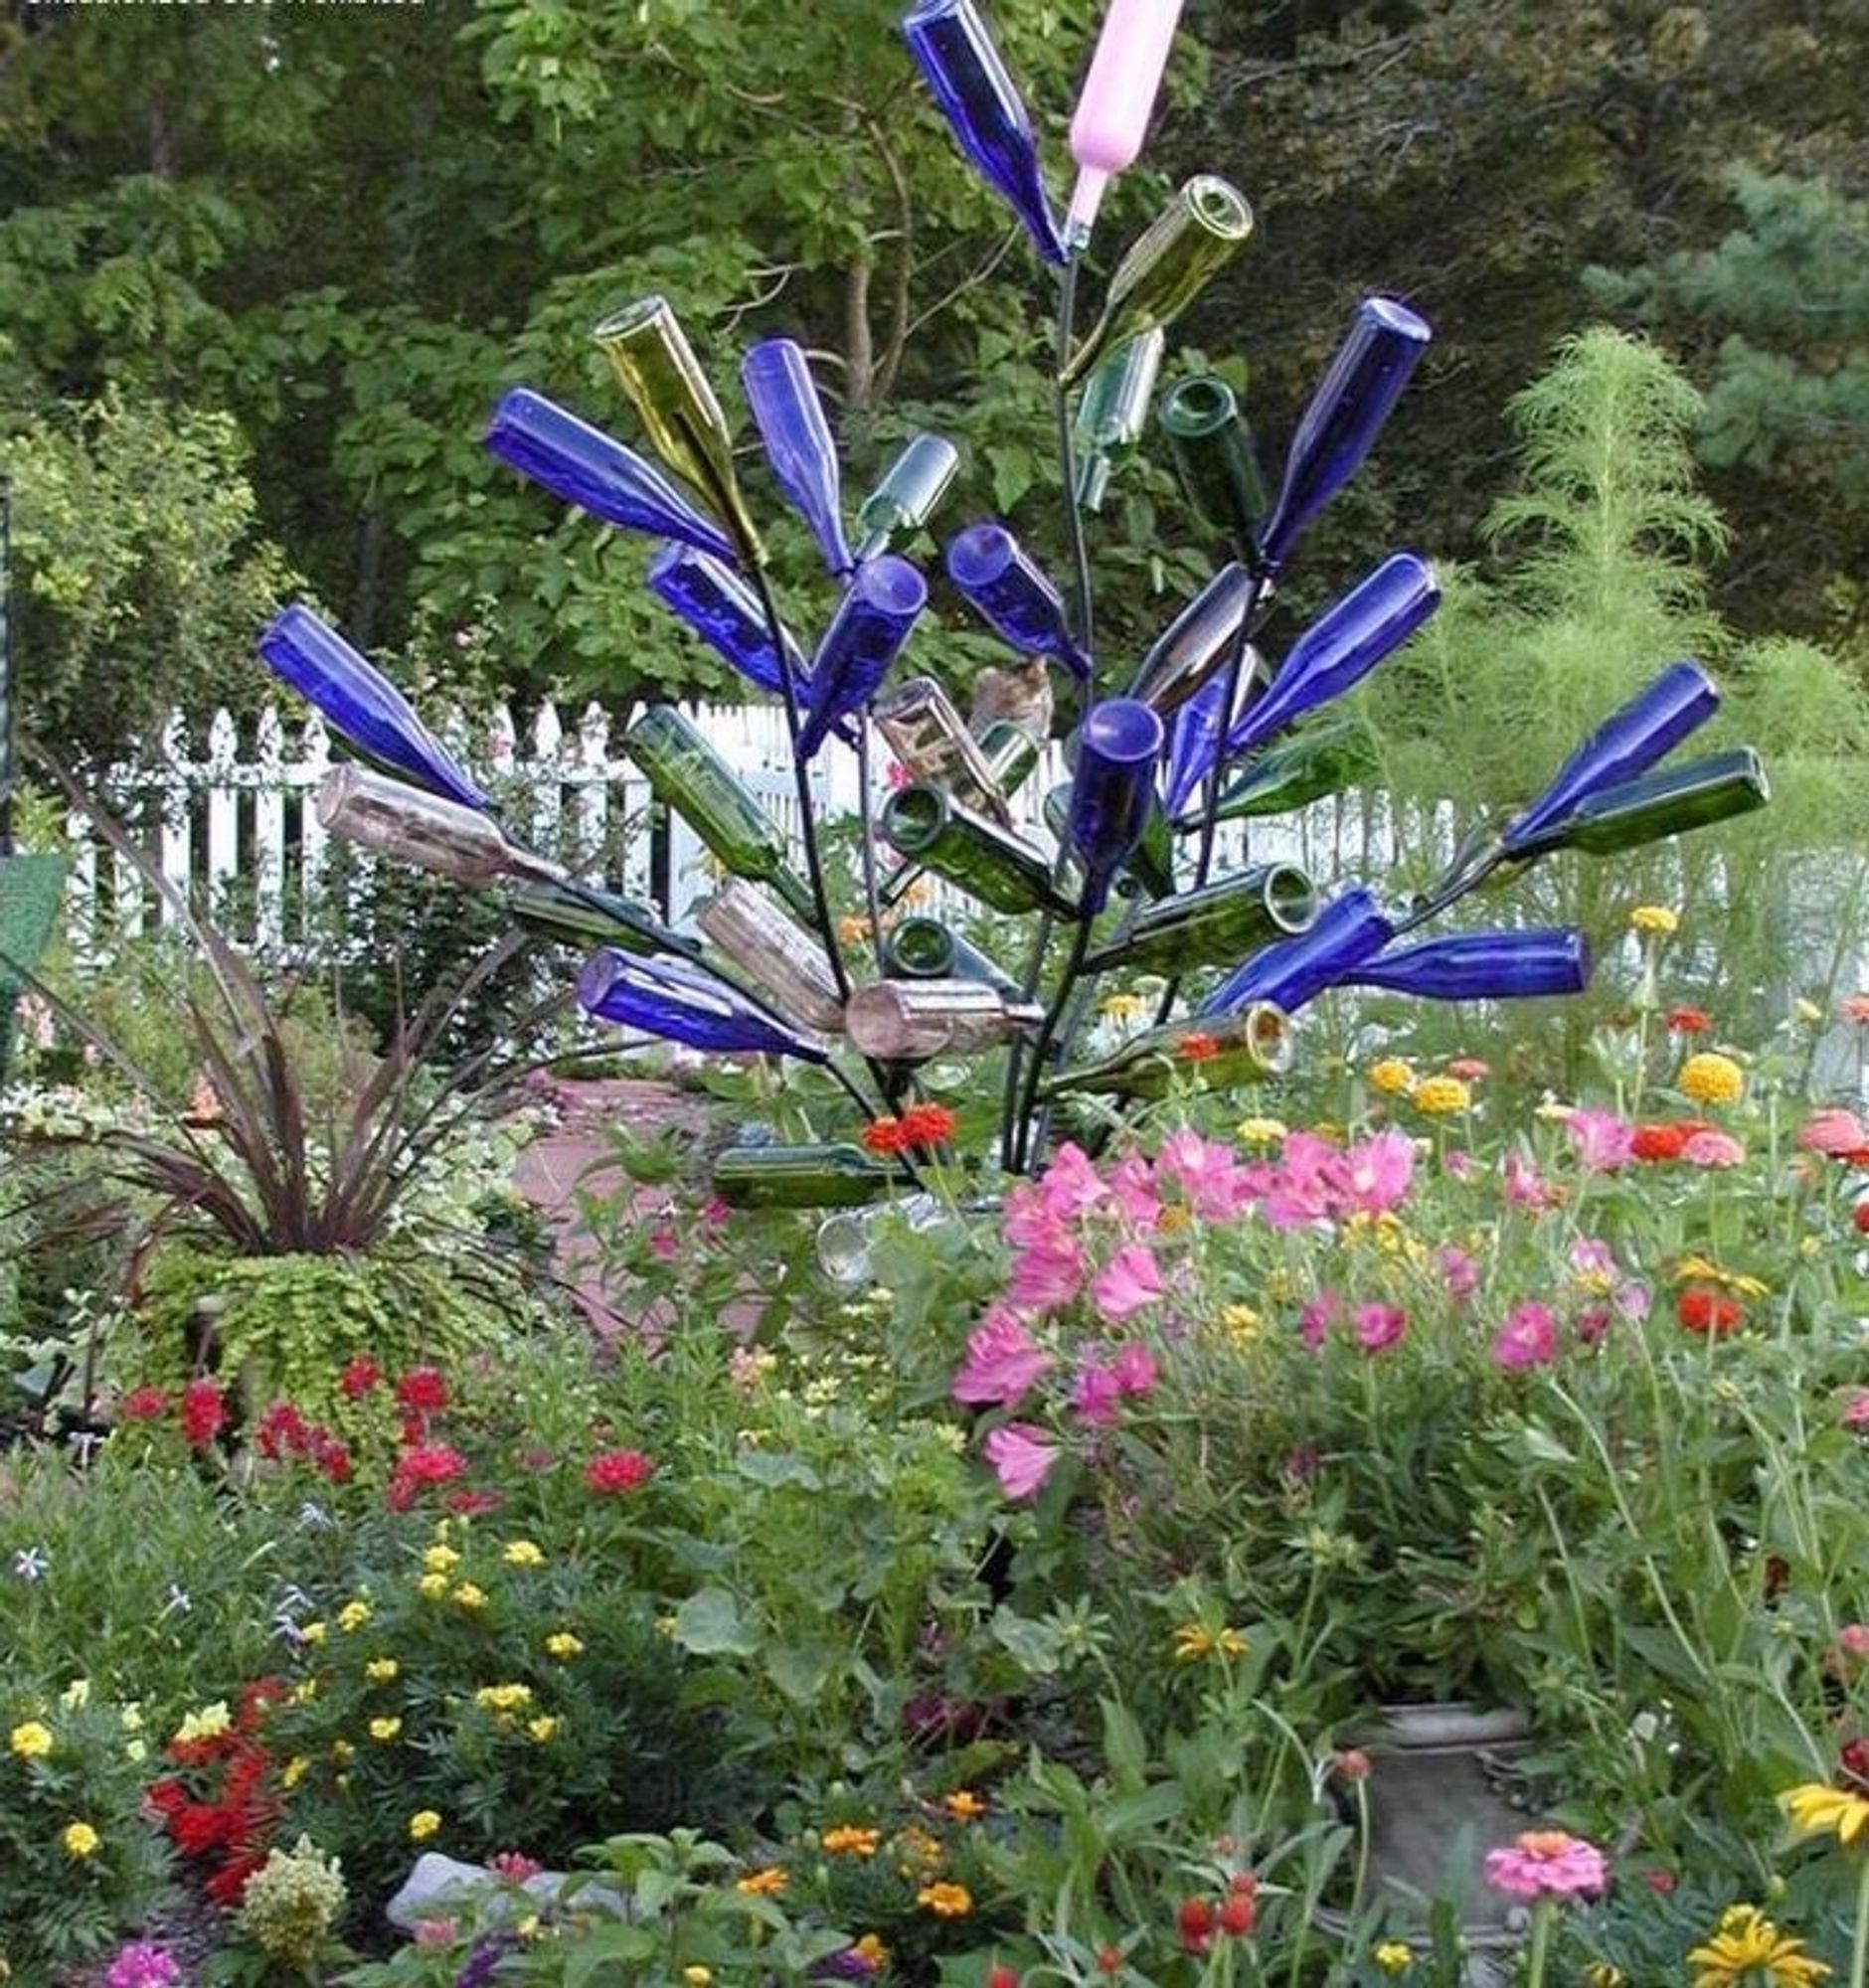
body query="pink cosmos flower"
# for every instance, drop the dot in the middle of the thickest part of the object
(1378, 1172)
(1379, 1326)
(1713, 1149)
(1045, 1275)
(1135, 1369)
(1832, 1131)
(1133, 1191)
(1604, 1143)
(1307, 1187)
(1130, 1280)
(1528, 1338)
(1071, 1185)
(1548, 1863)
(1022, 1456)
(1096, 1396)
(1525, 1185)
(1004, 1361)
(1210, 1177)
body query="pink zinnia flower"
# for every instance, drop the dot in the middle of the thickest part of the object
(1022, 1456)
(1318, 1317)
(1855, 1413)
(1130, 1280)
(1379, 1326)
(1713, 1149)
(143, 1965)
(615, 1471)
(1832, 1131)
(1526, 1186)
(1547, 1863)
(1528, 1338)
(1004, 1361)
(1604, 1143)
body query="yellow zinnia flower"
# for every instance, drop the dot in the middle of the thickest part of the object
(31, 1739)
(1712, 1078)
(440, 1560)
(1748, 1948)
(1442, 1097)
(849, 1839)
(945, 1901)
(1121, 1008)
(1259, 1131)
(1655, 918)
(433, 1585)
(80, 1840)
(1392, 1074)
(522, 1553)
(1817, 1809)
(468, 1596)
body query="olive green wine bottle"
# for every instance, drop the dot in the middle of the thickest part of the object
(1218, 924)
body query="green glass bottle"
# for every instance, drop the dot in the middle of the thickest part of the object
(1668, 804)
(659, 374)
(904, 501)
(1319, 760)
(1216, 925)
(1150, 868)
(1167, 266)
(685, 773)
(1214, 459)
(1114, 413)
(1222, 1052)
(822, 1176)
(579, 915)
(969, 850)
(928, 949)
(1011, 753)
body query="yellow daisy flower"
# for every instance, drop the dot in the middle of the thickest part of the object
(1817, 1809)
(1749, 1950)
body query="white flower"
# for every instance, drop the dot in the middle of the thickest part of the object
(31, 1562)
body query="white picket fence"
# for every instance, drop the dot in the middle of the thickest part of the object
(233, 823)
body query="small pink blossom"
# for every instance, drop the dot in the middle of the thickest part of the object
(1003, 1364)
(664, 1244)
(1594, 1323)
(1379, 1326)
(1713, 1149)
(1096, 1396)
(1855, 1413)
(1528, 1338)
(1130, 1280)
(1591, 1258)
(1834, 1131)
(1135, 1369)
(1525, 1185)
(441, 1931)
(1633, 1300)
(1318, 1317)
(1548, 1863)
(143, 1965)
(1604, 1143)
(1458, 1272)
(1378, 1172)
(1133, 1192)
(1071, 1185)
(1212, 1181)
(1022, 1456)
(514, 1866)
(1046, 1275)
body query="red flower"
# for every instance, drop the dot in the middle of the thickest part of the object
(999, 1975)
(1197, 1047)
(473, 1504)
(1195, 1919)
(619, 1470)
(204, 1412)
(1666, 1140)
(144, 1404)
(884, 1136)
(422, 1389)
(284, 1430)
(1689, 1021)
(1711, 1312)
(1853, 1762)
(359, 1377)
(425, 1464)
(330, 1456)
(928, 1125)
(1239, 1910)
(1859, 1216)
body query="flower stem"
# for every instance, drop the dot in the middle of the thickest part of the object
(1543, 1912)
(1859, 1950)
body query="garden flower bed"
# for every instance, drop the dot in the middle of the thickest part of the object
(1019, 1613)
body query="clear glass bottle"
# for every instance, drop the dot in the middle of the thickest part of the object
(932, 744)
(909, 494)
(1011, 753)
(912, 1021)
(782, 960)
(422, 828)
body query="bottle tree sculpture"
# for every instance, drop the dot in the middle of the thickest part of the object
(1203, 729)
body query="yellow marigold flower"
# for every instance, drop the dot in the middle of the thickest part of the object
(468, 1596)
(207, 1724)
(849, 1839)
(1195, 1642)
(563, 1645)
(919, 1851)
(423, 1824)
(766, 1884)
(874, 1951)
(440, 1560)
(1394, 1956)
(1392, 1074)
(80, 1840)
(503, 1697)
(696, 1976)
(294, 1772)
(1816, 1809)
(1602, 1974)
(433, 1585)
(314, 1633)
(1259, 1131)
(30, 1740)
(1242, 1321)
(380, 1670)
(352, 1617)
(1655, 918)
(522, 1553)
(544, 1729)
(1712, 1078)
(945, 1901)
(1121, 1008)
(1443, 1096)
(385, 1730)
(1748, 1948)
(963, 1805)
(304, 1692)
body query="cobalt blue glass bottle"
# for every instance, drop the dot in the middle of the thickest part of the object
(712, 598)
(978, 97)
(585, 466)
(1200, 727)
(798, 439)
(359, 701)
(1344, 417)
(880, 607)
(1348, 930)
(1341, 647)
(1007, 585)
(1483, 966)
(684, 1003)
(1630, 741)
(1111, 793)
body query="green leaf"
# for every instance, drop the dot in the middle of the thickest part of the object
(709, 1623)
